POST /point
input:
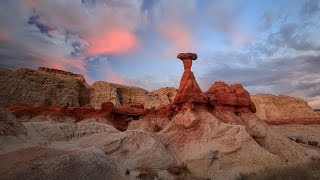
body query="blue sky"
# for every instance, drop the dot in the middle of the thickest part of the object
(269, 47)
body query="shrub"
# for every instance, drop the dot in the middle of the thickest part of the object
(147, 173)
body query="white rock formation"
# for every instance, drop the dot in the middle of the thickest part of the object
(120, 94)
(282, 107)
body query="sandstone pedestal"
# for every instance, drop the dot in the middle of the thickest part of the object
(189, 90)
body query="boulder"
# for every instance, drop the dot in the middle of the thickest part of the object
(188, 55)
(221, 94)
(212, 149)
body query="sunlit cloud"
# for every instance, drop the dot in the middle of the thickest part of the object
(112, 42)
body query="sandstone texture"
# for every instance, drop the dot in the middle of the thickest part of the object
(62, 73)
(189, 90)
(32, 86)
(221, 94)
(119, 94)
(284, 110)
(9, 125)
(47, 163)
(188, 55)
(304, 134)
(127, 132)
(117, 117)
(83, 150)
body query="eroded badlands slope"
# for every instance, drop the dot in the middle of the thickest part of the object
(129, 133)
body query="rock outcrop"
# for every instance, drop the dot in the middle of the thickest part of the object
(142, 134)
(117, 117)
(48, 163)
(119, 94)
(304, 134)
(32, 86)
(9, 125)
(284, 110)
(220, 94)
(81, 151)
(61, 73)
(189, 90)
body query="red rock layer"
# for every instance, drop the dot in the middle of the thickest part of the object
(221, 94)
(189, 90)
(118, 117)
(303, 121)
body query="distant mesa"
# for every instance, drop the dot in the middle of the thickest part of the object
(62, 73)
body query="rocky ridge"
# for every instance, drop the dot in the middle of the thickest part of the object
(33, 86)
(196, 135)
(284, 110)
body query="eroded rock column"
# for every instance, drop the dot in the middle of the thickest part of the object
(189, 90)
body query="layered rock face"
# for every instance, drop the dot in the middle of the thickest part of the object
(51, 86)
(31, 86)
(220, 94)
(284, 109)
(119, 94)
(189, 90)
(196, 135)
(61, 73)
(108, 114)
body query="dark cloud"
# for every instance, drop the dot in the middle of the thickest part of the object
(293, 36)
(281, 75)
(266, 21)
(310, 8)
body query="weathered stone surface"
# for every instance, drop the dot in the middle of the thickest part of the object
(117, 117)
(48, 163)
(130, 150)
(221, 94)
(31, 86)
(309, 134)
(212, 149)
(119, 94)
(274, 142)
(189, 90)
(149, 123)
(284, 109)
(9, 125)
(129, 110)
(191, 56)
(4, 71)
(217, 139)
(62, 73)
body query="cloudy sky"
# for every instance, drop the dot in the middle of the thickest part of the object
(268, 46)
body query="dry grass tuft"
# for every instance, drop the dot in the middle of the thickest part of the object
(308, 171)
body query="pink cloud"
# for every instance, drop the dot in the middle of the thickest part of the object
(178, 35)
(115, 77)
(112, 42)
(4, 36)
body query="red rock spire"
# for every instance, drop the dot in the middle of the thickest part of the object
(189, 90)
